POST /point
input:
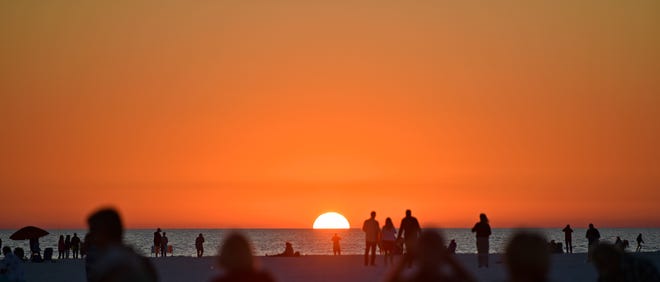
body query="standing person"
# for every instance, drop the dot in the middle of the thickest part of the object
(452, 247)
(163, 245)
(67, 246)
(11, 266)
(371, 229)
(410, 230)
(387, 238)
(239, 265)
(592, 237)
(568, 238)
(640, 241)
(157, 240)
(482, 228)
(60, 247)
(336, 249)
(75, 245)
(114, 261)
(199, 245)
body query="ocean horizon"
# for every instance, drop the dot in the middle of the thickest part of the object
(317, 241)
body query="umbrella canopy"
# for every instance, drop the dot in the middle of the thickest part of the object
(28, 232)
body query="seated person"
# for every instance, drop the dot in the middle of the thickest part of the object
(288, 252)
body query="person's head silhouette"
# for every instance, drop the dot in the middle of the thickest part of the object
(591, 225)
(373, 214)
(432, 250)
(105, 227)
(483, 218)
(527, 257)
(408, 213)
(236, 254)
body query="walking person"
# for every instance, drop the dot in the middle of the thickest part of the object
(482, 230)
(75, 245)
(640, 241)
(157, 239)
(592, 237)
(199, 245)
(371, 229)
(387, 238)
(410, 230)
(67, 246)
(336, 248)
(60, 247)
(163, 245)
(568, 238)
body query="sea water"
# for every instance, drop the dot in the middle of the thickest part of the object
(317, 242)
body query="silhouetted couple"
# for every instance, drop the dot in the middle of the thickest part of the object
(160, 243)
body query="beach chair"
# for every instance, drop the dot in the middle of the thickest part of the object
(48, 254)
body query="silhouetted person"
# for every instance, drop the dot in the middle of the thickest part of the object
(75, 245)
(11, 267)
(387, 239)
(435, 263)
(91, 255)
(163, 245)
(60, 247)
(199, 245)
(410, 230)
(452, 247)
(613, 265)
(288, 251)
(114, 261)
(157, 241)
(371, 229)
(640, 241)
(568, 238)
(236, 258)
(336, 248)
(67, 246)
(34, 247)
(482, 230)
(592, 238)
(527, 258)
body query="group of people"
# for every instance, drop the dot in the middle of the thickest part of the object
(70, 245)
(593, 239)
(387, 236)
(409, 231)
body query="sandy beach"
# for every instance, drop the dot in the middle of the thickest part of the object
(565, 267)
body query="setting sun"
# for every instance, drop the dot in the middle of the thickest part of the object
(331, 220)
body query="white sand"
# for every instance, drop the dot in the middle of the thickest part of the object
(565, 267)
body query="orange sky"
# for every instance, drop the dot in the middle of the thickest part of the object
(269, 113)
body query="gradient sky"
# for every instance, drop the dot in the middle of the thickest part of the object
(269, 113)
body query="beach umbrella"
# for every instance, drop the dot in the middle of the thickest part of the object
(28, 232)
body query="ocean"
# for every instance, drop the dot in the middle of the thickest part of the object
(317, 242)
